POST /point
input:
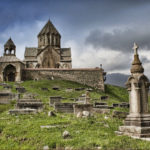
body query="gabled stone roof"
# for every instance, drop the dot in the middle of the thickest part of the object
(31, 52)
(10, 59)
(9, 43)
(48, 28)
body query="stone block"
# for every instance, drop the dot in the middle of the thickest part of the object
(104, 97)
(21, 89)
(6, 97)
(82, 107)
(79, 89)
(22, 111)
(135, 131)
(124, 105)
(64, 107)
(55, 99)
(119, 114)
(69, 90)
(32, 105)
(116, 105)
(101, 110)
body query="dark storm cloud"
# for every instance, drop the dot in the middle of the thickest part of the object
(119, 40)
(77, 14)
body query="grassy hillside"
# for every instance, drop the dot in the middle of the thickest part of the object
(24, 132)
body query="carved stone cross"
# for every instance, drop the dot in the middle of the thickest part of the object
(135, 48)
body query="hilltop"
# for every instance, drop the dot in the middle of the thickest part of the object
(25, 132)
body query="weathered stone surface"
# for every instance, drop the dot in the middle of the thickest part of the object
(66, 135)
(101, 105)
(69, 90)
(51, 114)
(101, 110)
(79, 114)
(90, 77)
(136, 131)
(23, 111)
(124, 105)
(46, 147)
(6, 97)
(55, 99)
(119, 114)
(29, 104)
(116, 105)
(21, 89)
(79, 89)
(104, 97)
(82, 107)
(6, 86)
(86, 113)
(64, 107)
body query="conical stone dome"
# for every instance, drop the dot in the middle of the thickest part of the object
(136, 64)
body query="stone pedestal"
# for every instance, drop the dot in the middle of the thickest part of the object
(137, 126)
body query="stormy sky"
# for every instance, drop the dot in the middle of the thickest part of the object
(98, 31)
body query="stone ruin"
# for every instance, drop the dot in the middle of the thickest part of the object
(27, 105)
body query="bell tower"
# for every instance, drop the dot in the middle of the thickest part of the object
(9, 48)
(49, 36)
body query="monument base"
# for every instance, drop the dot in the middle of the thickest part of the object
(141, 132)
(139, 120)
(136, 125)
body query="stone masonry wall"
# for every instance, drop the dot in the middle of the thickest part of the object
(92, 77)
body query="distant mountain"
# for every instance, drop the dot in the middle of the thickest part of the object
(116, 79)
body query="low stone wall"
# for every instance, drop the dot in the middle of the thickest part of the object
(87, 76)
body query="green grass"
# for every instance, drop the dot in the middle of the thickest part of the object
(24, 132)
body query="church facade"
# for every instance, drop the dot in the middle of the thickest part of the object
(48, 54)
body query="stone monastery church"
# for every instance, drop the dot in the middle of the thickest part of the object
(48, 54)
(47, 61)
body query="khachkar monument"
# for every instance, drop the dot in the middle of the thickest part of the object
(137, 123)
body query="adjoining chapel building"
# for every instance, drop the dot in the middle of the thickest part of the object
(48, 54)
